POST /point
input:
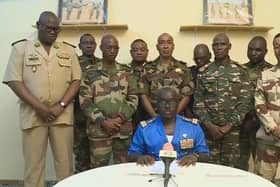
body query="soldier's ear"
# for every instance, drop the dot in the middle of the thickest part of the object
(229, 46)
(157, 46)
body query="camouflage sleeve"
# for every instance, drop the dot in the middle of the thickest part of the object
(136, 82)
(261, 108)
(199, 105)
(90, 110)
(129, 106)
(144, 82)
(188, 87)
(244, 102)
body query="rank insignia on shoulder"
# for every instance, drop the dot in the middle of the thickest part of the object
(69, 44)
(18, 41)
(144, 123)
(192, 120)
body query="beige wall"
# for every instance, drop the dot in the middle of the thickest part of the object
(146, 19)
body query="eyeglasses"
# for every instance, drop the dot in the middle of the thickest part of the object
(49, 29)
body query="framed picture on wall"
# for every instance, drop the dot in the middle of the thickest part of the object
(82, 11)
(232, 12)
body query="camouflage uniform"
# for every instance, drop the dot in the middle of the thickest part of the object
(176, 75)
(189, 109)
(81, 142)
(267, 102)
(108, 93)
(222, 97)
(251, 122)
(140, 114)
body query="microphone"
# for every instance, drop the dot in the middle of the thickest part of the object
(167, 155)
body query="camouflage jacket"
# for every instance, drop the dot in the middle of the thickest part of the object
(254, 71)
(138, 74)
(176, 75)
(84, 62)
(107, 94)
(267, 102)
(222, 93)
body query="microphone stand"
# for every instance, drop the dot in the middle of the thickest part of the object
(166, 174)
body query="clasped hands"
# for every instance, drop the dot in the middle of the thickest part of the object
(112, 125)
(147, 160)
(49, 113)
(217, 132)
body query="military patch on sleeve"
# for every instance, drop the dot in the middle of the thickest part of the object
(192, 120)
(69, 44)
(22, 40)
(144, 123)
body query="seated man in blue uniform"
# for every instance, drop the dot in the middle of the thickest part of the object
(184, 134)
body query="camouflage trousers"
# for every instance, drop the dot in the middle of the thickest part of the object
(81, 149)
(268, 162)
(225, 151)
(102, 148)
(247, 139)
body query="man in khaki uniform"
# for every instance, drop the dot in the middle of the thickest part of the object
(45, 75)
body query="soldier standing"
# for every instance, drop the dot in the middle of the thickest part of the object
(267, 102)
(256, 53)
(81, 143)
(45, 75)
(201, 56)
(221, 102)
(166, 71)
(139, 52)
(107, 100)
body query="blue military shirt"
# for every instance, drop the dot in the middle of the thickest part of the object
(150, 137)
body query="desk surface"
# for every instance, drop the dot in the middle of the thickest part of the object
(131, 175)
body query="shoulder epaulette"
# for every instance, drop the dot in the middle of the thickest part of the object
(182, 62)
(205, 67)
(22, 40)
(124, 66)
(69, 44)
(192, 120)
(239, 65)
(144, 123)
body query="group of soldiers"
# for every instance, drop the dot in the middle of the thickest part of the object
(236, 105)
(219, 93)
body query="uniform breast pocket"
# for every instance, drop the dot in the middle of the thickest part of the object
(66, 63)
(210, 88)
(65, 68)
(235, 87)
(33, 64)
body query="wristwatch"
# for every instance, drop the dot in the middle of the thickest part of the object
(62, 104)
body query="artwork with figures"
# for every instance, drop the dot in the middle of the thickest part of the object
(237, 12)
(83, 11)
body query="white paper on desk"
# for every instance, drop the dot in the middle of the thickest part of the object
(158, 167)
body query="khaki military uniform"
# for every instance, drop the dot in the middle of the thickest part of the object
(47, 77)
(81, 142)
(176, 75)
(221, 97)
(251, 123)
(267, 102)
(108, 93)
